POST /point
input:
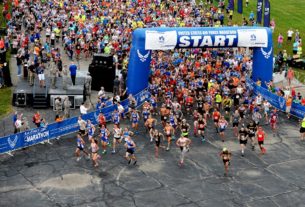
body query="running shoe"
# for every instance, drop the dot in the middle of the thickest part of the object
(104, 152)
(78, 159)
(129, 162)
(113, 152)
(135, 162)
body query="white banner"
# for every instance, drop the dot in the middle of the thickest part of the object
(252, 38)
(160, 40)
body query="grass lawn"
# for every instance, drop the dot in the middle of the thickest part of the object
(6, 93)
(5, 101)
(286, 13)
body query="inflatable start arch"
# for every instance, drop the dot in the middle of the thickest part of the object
(165, 38)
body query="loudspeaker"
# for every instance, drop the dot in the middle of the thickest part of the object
(6, 74)
(102, 72)
(21, 99)
(102, 76)
(102, 59)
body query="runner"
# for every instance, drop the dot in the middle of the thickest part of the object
(94, 152)
(185, 128)
(130, 150)
(145, 114)
(164, 113)
(261, 135)
(222, 125)
(90, 130)
(226, 158)
(243, 138)
(101, 120)
(169, 131)
(216, 117)
(150, 124)
(80, 147)
(104, 134)
(273, 121)
(116, 118)
(82, 126)
(134, 118)
(158, 137)
(266, 106)
(252, 128)
(196, 116)
(183, 143)
(201, 127)
(117, 135)
(235, 121)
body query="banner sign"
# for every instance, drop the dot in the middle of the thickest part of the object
(259, 11)
(297, 110)
(276, 101)
(267, 14)
(37, 135)
(240, 6)
(231, 5)
(206, 38)
(161, 40)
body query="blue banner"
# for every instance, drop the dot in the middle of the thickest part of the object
(267, 14)
(276, 101)
(297, 110)
(51, 131)
(240, 6)
(259, 11)
(231, 5)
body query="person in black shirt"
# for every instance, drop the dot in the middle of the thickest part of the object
(251, 132)
(32, 71)
(116, 85)
(243, 138)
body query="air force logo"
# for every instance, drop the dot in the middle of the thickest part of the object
(13, 142)
(282, 102)
(143, 58)
(253, 37)
(266, 54)
(161, 39)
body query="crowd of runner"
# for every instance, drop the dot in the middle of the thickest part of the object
(189, 88)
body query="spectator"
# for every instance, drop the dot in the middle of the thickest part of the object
(73, 69)
(19, 64)
(289, 35)
(41, 76)
(280, 39)
(290, 76)
(67, 106)
(83, 109)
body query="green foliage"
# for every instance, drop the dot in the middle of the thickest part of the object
(5, 101)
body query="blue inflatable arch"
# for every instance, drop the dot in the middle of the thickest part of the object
(165, 38)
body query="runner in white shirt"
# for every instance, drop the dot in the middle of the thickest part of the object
(117, 135)
(183, 143)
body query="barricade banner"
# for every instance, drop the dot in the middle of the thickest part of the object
(54, 130)
(297, 110)
(276, 101)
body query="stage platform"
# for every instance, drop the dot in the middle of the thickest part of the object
(24, 94)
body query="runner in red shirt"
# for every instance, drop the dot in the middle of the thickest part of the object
(216, 116)
(261, 135)
(101, 120)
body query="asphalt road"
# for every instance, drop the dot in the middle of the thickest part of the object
(49, 175)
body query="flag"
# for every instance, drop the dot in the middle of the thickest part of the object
(231, 5)
(267, 14)
(240, 6)
(259, 11)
